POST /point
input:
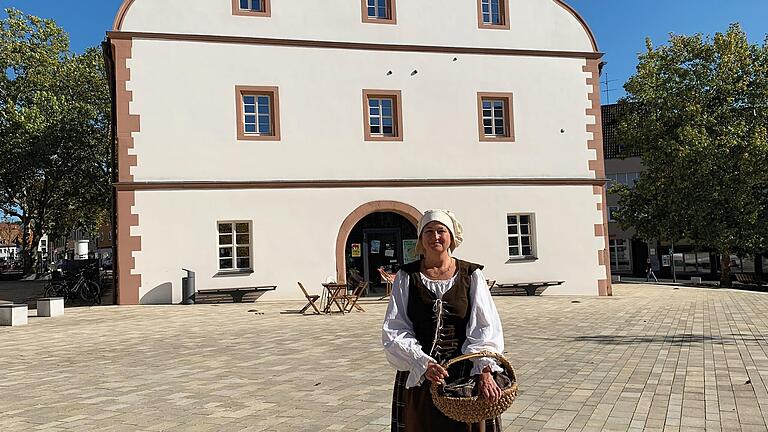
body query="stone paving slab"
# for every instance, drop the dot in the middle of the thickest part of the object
(651, 358)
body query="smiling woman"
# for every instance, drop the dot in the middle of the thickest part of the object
(440, 308)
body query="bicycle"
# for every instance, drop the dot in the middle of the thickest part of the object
(82, 287)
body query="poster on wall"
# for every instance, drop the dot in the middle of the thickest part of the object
(665, 261)
(409, 251)
(356, 250)
(375, 246)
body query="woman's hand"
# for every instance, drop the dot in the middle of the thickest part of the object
(488, 387)
(435, 373)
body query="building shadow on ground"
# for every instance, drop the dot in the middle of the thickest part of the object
(678, 339)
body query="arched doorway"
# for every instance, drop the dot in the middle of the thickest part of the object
(377, 234)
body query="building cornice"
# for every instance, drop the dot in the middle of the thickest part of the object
(342, 184)
(364, 46)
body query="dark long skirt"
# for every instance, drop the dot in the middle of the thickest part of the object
(413, 411)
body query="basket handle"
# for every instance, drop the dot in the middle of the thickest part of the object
(463, 357)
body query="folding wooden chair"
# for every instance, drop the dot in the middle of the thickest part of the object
(388, 279)
(351, 299)
(311, 299)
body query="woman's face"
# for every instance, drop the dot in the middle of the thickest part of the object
(435, 237)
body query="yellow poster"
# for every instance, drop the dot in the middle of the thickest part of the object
(356, 253)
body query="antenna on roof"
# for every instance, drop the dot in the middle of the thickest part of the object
(606, 88)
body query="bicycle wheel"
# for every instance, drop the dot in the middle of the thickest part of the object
(90, 291)
(50, 290)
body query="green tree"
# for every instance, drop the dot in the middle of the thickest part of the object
(54, 132)
(697, 113)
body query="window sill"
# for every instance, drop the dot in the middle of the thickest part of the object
(225, 273)
(522, 259)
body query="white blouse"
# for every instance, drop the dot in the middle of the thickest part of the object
(404, 352)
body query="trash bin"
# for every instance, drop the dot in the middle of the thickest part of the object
(188, 288)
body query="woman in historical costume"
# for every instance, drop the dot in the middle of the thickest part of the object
(440, 308)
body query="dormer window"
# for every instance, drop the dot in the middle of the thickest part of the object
(379, 11)
(493, 14)
(251, 8)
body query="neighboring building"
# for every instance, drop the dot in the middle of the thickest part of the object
(93, 245)
(269, 142)
(628, 254)
(8, 253)
(10, 239)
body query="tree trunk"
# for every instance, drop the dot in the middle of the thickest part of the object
(28, 259)
(725, 269)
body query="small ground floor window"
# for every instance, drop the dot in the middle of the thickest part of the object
(234, 246)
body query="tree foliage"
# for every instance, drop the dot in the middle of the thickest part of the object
(697, 113)
(54, 131)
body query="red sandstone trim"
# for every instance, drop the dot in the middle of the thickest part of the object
(383, 183)
(128, 284)
(597, 167)
(409, 212)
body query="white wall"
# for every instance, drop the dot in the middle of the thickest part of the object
(534, 24)
(184, 93)
(295, 233)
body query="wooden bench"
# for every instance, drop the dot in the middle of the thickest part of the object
(518, 288)
(747, 278)
(237, 294)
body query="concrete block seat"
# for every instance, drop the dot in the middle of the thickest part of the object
(13, 314)
(50, 306)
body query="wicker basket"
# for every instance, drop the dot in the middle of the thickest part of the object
(476, 408)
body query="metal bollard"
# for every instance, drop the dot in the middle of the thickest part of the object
(188, 288)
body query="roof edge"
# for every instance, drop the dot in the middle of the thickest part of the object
(120, 17)
(121, 14)
(581, 20)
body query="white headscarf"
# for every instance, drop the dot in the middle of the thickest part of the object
(445, 217)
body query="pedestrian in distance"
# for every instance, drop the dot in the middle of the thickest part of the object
(649, 271)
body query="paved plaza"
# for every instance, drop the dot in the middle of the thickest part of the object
(651, 358)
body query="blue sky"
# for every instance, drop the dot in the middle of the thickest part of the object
(621, 26)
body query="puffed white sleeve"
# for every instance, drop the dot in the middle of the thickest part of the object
(484, 327)
(402, 349)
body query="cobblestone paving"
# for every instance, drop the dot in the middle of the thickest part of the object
(650, 358)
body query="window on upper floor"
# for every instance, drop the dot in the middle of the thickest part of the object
(251, 7)
(258, 113)
(520, 236)
(493, 14)
(382, 115)
(234, 245)
(495, 119)
(379, 11)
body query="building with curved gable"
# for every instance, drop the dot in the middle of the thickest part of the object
(270, 141)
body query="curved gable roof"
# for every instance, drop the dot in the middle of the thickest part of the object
(126, 6)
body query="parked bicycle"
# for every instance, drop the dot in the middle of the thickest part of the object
(79, 286)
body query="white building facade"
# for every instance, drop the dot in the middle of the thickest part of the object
(265, 142)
